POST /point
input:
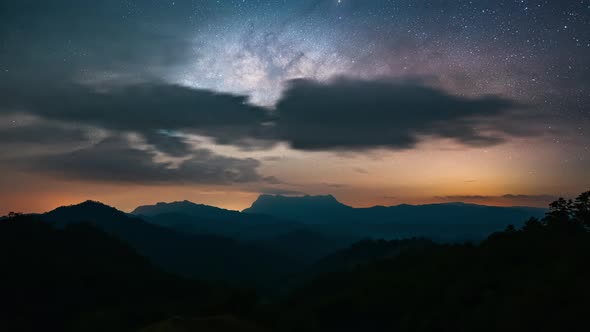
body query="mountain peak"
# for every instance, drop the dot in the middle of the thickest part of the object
(86, 211)
(184, 203)
(298, 207)
(87, 205)
(93, 204)
(307, 201)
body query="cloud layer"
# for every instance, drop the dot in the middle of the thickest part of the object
(116, 160)
(533, 200)
(348, 114)
(341, 115)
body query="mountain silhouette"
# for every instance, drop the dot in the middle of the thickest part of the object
(307, 209)
(87, 267)
(207, 324)
(276, 215)
(189, 217)
(203, 256)
(79, 278)
(447, 222)
(187, 208)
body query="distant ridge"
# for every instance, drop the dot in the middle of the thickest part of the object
(187, 208)
(328, 210)
(188, 217)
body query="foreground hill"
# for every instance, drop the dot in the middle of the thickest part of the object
(207, 324)
(78, 278)
(202, 256)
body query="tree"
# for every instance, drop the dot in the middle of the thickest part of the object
(582, 209)
(560, 213)
(510, 229)
(569, 214)
(532, 225)
(12, 215)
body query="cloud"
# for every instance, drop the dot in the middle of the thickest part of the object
(465, 197)
(356, 115)
(41, 134)
(272, 180)
(531, 197)
(146, 108)
(360, 170)
(508, 199)
(342, 115)
(169, 143)
(115, 159)
(280, 191)
(334, 185)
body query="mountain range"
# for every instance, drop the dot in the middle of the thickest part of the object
(273, 215)
(277, 235)
(328, 210)
(206, 256)
(91, 267)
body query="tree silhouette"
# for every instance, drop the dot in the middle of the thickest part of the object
(13, 215)
(569, 214)
(582, 209)
(532, 225)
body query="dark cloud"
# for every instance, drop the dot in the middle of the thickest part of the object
(115, 160)
(272, 180)
(350, 114)
(280, 191)
(342, 115)
(173, 145)
(144, 108)
(41, 134)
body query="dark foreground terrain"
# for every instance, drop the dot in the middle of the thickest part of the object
(114, 272)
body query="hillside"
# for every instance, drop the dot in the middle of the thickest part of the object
(78, 278)
(203, 256)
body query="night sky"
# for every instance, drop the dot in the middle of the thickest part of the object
(377, 102)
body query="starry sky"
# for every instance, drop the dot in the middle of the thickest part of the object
(379, 102)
